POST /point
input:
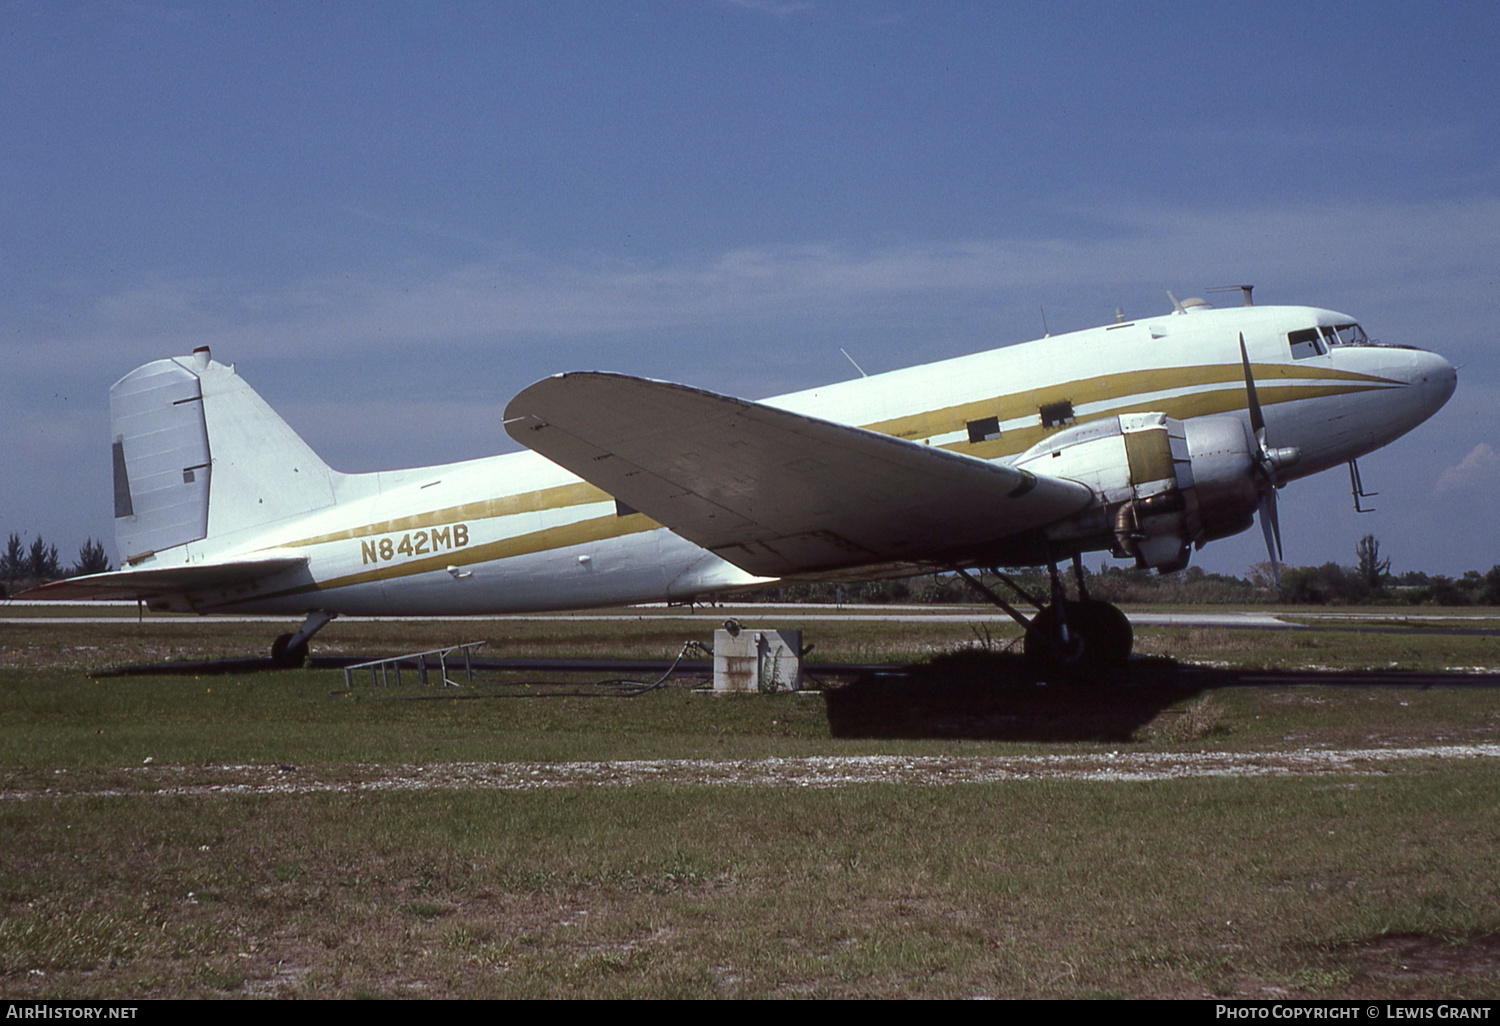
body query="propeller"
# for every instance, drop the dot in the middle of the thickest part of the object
(1268, 463)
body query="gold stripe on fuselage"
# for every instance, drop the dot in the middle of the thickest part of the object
(1183, 407)
(580, 493)
(591, 530)
(1123, 388)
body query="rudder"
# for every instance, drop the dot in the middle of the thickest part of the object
(199, 455)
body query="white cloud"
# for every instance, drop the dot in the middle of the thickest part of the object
(776, 8)
(1428, 265)
(1479, 469)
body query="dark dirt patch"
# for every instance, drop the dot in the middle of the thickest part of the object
(1396, 956)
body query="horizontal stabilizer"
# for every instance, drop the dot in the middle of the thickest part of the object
(774, 492)
(148, 583)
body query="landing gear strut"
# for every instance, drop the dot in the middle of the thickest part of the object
(289, 651)
(1068, 640)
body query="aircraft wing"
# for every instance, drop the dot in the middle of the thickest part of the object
(168, 580)
(774, 492)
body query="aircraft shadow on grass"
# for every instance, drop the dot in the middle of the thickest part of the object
(992, 697)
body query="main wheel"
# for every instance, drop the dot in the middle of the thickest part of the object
(1099, 640)
(1107, 626)
(285, 655)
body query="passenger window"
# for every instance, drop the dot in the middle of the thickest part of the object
(1056, 414)
(984, 430)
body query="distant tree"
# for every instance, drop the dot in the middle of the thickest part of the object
(940, 588)
(13, 562)
(92, 559)
(1297, 585)
(41, 561)
(1370, 568)
(1263, 575)
(1445, 591)
(1491, 593)
(1329, 584)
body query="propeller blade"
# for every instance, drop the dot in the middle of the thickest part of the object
(1270, 523)
(1257, 419)
(1270, 526)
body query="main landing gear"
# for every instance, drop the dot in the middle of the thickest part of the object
(1069, 640)
(289, 651)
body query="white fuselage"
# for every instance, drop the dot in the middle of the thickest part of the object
(515, 532)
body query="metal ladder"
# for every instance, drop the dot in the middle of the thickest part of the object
(382, 670)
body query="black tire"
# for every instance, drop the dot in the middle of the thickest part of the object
(286, 657)
(1110, 629)
(1099, 640)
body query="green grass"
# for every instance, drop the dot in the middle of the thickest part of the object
(1028, 889)
(1328, 648)
(1253, 887)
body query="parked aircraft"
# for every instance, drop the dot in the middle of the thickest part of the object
(1143, 438)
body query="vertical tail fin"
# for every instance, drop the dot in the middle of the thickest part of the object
(199, 455)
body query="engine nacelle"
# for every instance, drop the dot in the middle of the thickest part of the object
(1224, 476)
(1163, 485)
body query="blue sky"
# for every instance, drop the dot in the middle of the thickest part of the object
(393, 216)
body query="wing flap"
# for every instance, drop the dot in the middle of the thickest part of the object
(776, 492)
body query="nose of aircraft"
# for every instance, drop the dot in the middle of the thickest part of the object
(1432, 378)
(1426, 382)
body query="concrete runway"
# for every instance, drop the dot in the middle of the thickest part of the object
(759, 614)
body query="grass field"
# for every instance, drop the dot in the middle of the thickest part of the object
(254, 834)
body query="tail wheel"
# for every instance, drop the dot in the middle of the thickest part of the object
(287, 656)
(1099, 640)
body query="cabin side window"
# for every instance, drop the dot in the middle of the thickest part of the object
(1307, 342)
(1056, 414)
(984, 430)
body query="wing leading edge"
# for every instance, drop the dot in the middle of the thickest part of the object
(774, 492)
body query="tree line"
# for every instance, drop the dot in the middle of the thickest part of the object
(24, 566)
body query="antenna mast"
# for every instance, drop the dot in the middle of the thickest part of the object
(1243, 290)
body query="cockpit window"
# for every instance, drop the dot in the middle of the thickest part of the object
(1317, 341)
(1349, 335)
(1305, 343)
